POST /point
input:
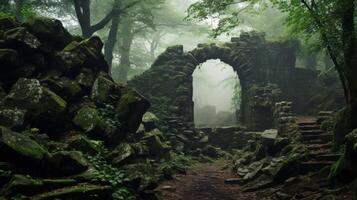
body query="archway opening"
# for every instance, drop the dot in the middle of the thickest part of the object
(216, 95)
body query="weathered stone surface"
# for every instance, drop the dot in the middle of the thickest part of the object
(19, 148)
(64, 163)
(83, 144)
(85, 78)
(12, 117)
(30, 95)
(64, 87)
(104, 90)
(84, 54)
(20, 37)
(49, 31)
(149, 121)
(130, 109)
(156, 146)
(122, 154)
(87, 118)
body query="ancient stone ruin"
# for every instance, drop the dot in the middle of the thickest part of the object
(266, 71)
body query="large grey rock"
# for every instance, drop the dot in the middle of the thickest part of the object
(103, 90)
(87, 118)
(131, 108)
(122, 154)
(12, 117)
(19, 148)
(99, 124)
(50, 32)
(21, 38)
(84, 54)
(30, 95)
(64, 163)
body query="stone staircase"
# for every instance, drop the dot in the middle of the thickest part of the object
(318, 143)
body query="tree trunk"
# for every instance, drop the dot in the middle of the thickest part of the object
(347, 121)
(82, 8)
(127, 40)
(111, 41)
(350, 54)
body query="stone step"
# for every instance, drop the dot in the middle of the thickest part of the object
(312, 147)
(323, 137)
(317, 141)
(324, 157)
(309, 127)
(309, 123)
(308, 132)
(314, 166)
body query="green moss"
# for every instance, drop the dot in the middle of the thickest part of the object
(342, 170)
(71, 46)
(20, 146)
(343, 126)
(86, 118)
(53, 101)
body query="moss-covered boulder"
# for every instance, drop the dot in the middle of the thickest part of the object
(104, 90)
(30, 95)
(66, 88)
(122, 154)
(87, 118)
(19, 148)
(50, 32)
(83, 144)
(84, 54)
(156, 146)
(131, 108)
(64, 163)
(44, 108)
(85, 78)
(25, 93)
(98, 123)
(150, 121)
(12, 117)
(19, 38)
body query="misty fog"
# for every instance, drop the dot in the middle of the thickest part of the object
(215, 84)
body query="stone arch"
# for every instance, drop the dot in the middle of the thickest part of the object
(168, 83)
(238, 62)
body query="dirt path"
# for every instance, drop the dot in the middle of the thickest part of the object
(205, 182)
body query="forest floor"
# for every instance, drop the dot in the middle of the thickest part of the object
(205, 182)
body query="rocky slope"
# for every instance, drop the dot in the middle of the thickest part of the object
(67, 131)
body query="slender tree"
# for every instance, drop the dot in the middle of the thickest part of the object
(83, 13)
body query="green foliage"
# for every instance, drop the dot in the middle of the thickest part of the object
(122, 194)
(108, 116)
(175, 163)
(227, 12)
(105, 172)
